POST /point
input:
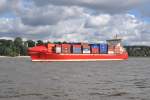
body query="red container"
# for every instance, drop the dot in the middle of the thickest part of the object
(66, 45)
(95, 50)
(50, 47)
(76, 46)
(66, 48)
(66, 51)
(85, 46)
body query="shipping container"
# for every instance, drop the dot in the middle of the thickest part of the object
(85, 44)
(66, 48)
(65, 45)
(50, 47)
(58, 45)
(77, 50)
(66, 51)
(94, 46)
(58, 49)
(86, 50)
(95, 50)
(103, 48)
(76, 45)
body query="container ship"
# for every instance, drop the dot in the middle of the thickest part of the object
(111, 50)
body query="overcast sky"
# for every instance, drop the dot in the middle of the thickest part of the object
(76, 20)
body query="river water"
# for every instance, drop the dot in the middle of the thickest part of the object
(21, 79)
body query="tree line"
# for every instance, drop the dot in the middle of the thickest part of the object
(138, 51)
(18, 47)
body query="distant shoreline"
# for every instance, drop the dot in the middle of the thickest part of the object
(15, 57)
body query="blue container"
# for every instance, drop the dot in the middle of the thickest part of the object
(94, 46)
(103, 48)
(76, 50)
(86, 49)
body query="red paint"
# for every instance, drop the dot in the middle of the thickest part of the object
(95, 50)
(76, 46)
(74, 57)
(41, 53)
(65, 45)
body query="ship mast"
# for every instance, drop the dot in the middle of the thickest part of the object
(114, 41)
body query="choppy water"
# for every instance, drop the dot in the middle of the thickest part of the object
(21, 79)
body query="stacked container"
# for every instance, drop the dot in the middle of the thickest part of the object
(50, 47)
(66, 48)
(76, 48)
(94, 48)
(103, 48)
(58, 48)
(86, 48)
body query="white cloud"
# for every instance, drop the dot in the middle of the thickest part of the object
(111, 6)
(102, 27)
(130, 28)
(97, 21)
(78, 20)
(48, 15)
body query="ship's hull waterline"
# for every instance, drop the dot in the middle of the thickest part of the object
(77, 57)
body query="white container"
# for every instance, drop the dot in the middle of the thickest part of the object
(86, 51)
(58, 49)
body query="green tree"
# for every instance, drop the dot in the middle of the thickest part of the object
(18, 42)
(39, 42)
(23, 50)
(30, 43)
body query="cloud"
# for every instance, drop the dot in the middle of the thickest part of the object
(14, 28)
(77, 20)
(3, 6)
(8, 6)
(130, 28)
(91, 28)
(97, 21)
(48, 15)
(144, 9)
(102, 6)
(105, 6)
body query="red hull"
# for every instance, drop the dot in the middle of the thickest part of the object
(36, 56)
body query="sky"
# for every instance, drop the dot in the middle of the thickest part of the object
(76, 20)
